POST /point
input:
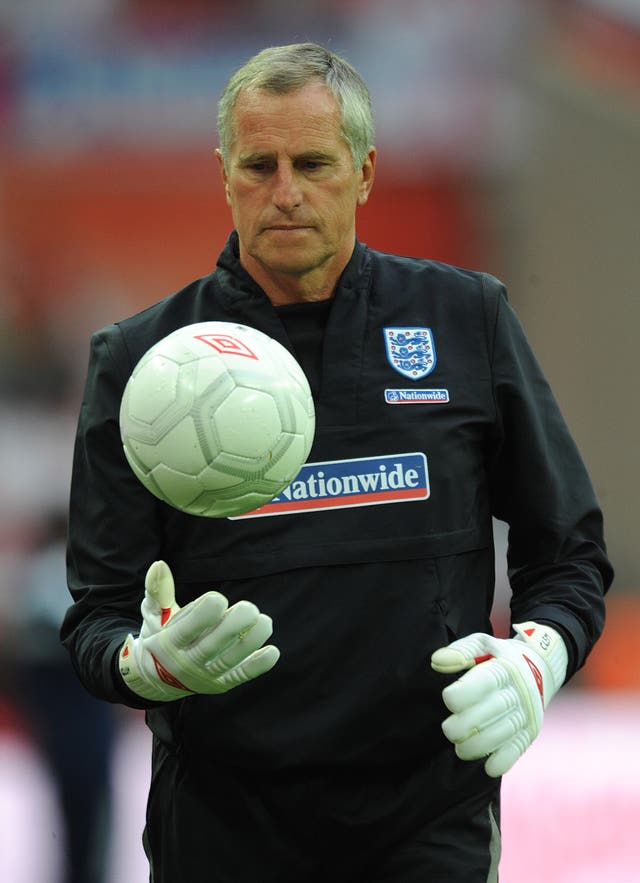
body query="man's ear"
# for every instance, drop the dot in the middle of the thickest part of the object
(223, 174)
(367, 175)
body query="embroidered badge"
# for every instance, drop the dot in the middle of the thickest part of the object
(416, 396)
(410, 350)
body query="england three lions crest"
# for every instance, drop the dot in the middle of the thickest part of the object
(410, 350)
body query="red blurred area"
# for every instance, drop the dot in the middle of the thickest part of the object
(612, 664)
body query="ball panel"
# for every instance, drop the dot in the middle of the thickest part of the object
(212, 378)
(148, 423)
(177, 488)
(138, 466)
(248, 423)
(156, 388)
(179, 446)
(285, 468)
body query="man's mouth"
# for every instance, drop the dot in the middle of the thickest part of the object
(288, 227)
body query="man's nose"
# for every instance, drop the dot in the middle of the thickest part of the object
(287, 194)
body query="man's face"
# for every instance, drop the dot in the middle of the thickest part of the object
(291, 183)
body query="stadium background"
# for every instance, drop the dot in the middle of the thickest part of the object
(508, 135)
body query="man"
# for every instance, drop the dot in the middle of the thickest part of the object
(327, 754)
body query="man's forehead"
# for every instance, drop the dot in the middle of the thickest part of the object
(307, 120)
(311, 100)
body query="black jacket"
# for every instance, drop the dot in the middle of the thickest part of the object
(360, 594)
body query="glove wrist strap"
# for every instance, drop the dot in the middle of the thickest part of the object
(549, 644)
(132, 674)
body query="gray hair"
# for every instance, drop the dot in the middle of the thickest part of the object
(282, 69)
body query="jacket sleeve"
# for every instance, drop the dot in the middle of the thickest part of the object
(557, 561)
(113, 534)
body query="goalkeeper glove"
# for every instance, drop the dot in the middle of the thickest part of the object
(205, 647)
(498, 705)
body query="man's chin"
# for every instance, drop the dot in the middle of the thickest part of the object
(289, 261)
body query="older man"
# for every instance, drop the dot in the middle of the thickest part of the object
(327, 754)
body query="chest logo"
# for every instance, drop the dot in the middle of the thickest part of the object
(415, 396)
(345, 484)
(410, 350)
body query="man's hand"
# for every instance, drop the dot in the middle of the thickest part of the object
(499, 703)
(205, 647)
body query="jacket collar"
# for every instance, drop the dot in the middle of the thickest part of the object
(236, 278)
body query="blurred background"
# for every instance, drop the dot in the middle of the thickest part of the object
(508, 134)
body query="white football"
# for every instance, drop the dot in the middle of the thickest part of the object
(217, 419)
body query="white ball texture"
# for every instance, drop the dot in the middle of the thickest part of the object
(216, 419)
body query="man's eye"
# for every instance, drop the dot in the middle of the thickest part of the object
(259, 166)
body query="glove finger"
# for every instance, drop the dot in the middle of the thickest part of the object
(257, 664)
(158, 604)
(238, 623)
(198, 618)
(480, 743)
(462, 654)
(475, 685)
(477, 718)
(504, 758)
(239, 646)
(159, 585)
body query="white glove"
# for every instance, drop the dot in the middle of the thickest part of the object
(499, 703)
(205, 647)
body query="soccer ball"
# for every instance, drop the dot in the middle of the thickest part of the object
(217, 419)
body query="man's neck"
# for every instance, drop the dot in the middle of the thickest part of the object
(290, 291)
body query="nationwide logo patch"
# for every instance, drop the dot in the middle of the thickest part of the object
(343, 484)
(410, 350)
(416, 396)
